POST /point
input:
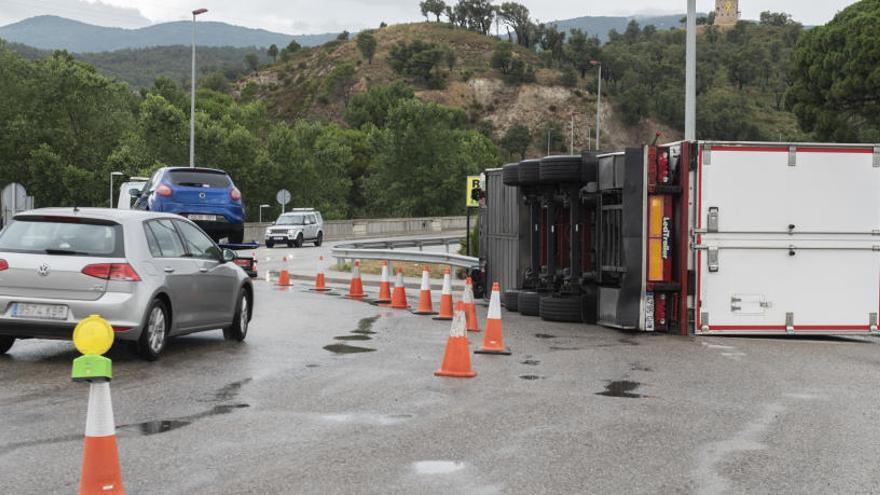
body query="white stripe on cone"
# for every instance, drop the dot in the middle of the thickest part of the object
(447, 285)
(426, 283)
(468, 296)
(356, 270)
(99, 419)
(399, 281)
(459, 325)
(494, 306)
(384, 273)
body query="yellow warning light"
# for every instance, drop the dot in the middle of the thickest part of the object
(93, 335)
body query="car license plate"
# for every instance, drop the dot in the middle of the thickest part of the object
(203, 218)
(39, 311)
(278, 238)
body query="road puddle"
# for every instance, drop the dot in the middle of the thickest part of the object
(346, 349)
(365, 326)
(545, 336)
(622, 388)
(530, 362)
(532, 377)
(437, 467)
(353, 337)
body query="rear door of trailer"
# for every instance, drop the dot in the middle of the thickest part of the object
(787, 238)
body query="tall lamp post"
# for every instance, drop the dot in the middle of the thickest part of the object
(192, 104)
(690, 105)
(260, 219)
(112, 175)
(595, 63)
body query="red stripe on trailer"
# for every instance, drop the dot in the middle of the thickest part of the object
(783, 327)
(683, 246)
(785, 149)
(768, 149)
(699, 266)
(806, 149)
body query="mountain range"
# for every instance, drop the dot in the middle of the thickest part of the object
(58, 33)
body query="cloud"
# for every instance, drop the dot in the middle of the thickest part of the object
(92, 12)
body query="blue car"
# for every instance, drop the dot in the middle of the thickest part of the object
(206, 196)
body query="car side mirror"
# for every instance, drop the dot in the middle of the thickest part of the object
(228, 255)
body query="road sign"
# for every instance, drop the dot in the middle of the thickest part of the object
(13, 199)
(283, 197)
(473, 184)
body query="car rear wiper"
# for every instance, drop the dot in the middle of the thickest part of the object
(67, 252)
(192, 184)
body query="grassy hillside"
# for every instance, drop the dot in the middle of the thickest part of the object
(298, 88)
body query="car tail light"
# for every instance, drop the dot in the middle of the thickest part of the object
(112, 271)
(3, 265)
(121, 329)
(163, 190)
(235, 194)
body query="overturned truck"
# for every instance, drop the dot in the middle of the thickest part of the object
(691, 238)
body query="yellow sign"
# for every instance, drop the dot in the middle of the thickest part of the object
(473, 184)
(93, 335)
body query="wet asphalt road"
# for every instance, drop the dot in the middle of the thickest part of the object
(575, 409)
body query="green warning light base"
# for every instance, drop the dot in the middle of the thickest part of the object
(92, 368)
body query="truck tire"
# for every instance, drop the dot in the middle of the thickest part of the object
(510, 299)
(561, 308)
(6, 344)
(236, 237)
(590, 306)
(528, 303)
(270, 244)
(560, 169)
(528, 172)
(510, 174)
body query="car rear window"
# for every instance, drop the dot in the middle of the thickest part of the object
(189, 178)
(74, 236)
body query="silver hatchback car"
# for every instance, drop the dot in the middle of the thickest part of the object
(151, 275)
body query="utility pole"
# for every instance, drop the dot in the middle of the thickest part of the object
(192, 100)
(690, 105)
(598, 103)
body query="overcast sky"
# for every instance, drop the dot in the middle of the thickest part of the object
(319, 16)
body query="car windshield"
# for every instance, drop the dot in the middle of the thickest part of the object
(188, 178)
(292, 220)
(62, 237)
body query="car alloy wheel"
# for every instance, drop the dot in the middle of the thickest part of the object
(244, 316)
(156, 330)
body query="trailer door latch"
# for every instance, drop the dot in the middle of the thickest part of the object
(712, 219)
(707, 154)
(876, 156)
(712, 258)
(792, 156)
(872, 322)
(789, 322)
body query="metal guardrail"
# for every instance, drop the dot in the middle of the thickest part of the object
(385, 250)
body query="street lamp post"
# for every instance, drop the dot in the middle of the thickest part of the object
(192, 104)
(260, 215)
(113, 174)
(598, 102)
(690, 106)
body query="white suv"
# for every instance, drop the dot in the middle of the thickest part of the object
(296, 227)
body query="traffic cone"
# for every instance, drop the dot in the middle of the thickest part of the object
(384, 286)
(426, 306)
(446, 298)
(356, 289)
(320, 285)
(398, 299)
(493, 342)
(100, 469)
(470, 307)
(284, 279)
(457, 358)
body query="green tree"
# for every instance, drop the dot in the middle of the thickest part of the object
(273, 52)
(435, 7)
(343, 36)
(252, 61)
(215, 81)
(373, 106)
(516, 140)
(366, 43)
(516, 17)
(836, 76)
(418, 59)
(551, 137)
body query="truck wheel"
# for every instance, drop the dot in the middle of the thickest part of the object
(270, 244)
(562, 308)
(319, 240)
(236, 236)
(560, 169)
(238, 330)
(510, 174)
(5, 344)
(510, 300)
(590, 167)
(528, 172)
(528, 303)
(590, 307)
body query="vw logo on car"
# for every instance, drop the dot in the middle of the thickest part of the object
(43, 270)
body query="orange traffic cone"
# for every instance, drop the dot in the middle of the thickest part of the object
(284, 279)
(426, 306)
(457, 358)
(493, 342)
(470, 307)
(384, 286)
(320, 284)
(446, 298)
(356, 289)
(398, 299)
(100, 469)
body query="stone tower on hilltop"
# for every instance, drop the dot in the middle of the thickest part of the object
(726, 12)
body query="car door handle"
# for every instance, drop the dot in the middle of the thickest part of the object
(203, 270)
(168, 269)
